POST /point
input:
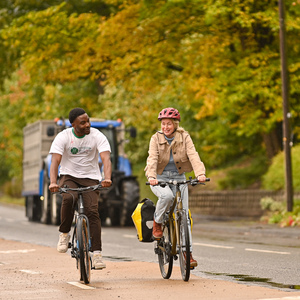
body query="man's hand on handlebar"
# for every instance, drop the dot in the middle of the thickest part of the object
(54, 187)
(106, 182)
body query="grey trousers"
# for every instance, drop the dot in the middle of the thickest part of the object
(166, 196)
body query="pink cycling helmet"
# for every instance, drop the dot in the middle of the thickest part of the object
(169, 113)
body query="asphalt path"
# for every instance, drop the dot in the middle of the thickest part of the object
(256, 256)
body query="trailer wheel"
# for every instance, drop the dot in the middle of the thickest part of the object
(45, 201)
(56, 200)
(130, 193)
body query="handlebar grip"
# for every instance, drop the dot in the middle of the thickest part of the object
(207, 179)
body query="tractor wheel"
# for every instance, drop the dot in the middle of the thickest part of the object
(130, 193)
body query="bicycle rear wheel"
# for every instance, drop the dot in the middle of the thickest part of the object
(184, 246)
(83, 245)
(165, 259)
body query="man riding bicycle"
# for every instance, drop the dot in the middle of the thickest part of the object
(76, 150)
(171, 154)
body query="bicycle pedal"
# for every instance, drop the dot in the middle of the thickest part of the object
(175, 257)
(192, 268)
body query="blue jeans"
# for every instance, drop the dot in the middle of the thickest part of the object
(166, 196)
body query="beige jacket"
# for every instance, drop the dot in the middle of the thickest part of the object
(186, 158)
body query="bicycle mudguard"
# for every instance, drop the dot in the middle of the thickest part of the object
(142, 218)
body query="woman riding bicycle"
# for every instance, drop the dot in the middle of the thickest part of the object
(171, 154)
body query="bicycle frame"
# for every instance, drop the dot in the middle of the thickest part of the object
(176, 239)
(173, 216)
(81, 239)
(79, 214)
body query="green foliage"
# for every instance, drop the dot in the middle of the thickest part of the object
(274, 178)
(218, 62)
(244, 174)
(13, 188)
(275, 213)
(269, 204)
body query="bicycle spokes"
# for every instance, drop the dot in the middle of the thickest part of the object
(184, 247)
(163, 250)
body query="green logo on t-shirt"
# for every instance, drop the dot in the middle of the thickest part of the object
(74, 150)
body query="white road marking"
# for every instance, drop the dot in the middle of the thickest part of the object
(30, 272)
(81, 285)
(17, 251)
(129, 236)
(267, 251)
(213, 246)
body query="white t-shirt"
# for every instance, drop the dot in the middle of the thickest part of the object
(80, 154)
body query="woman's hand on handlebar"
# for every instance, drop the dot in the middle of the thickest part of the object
(153, 181)
(201, 178)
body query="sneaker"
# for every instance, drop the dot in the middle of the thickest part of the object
(157, 232)
(63, 243)
(97, 262)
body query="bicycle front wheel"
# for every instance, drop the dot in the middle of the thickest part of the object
(184, 246)
(83, 245)
(165, 258)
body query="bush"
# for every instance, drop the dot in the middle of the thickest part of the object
(275, 213)
(244, 174)
(274, 179)
(13, 188)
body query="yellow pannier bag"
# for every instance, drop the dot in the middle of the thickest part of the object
(142, 218)
(191, 220)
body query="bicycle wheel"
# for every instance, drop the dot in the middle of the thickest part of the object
(184, 246)
(74, 247)
(83, 245)
(165, 259)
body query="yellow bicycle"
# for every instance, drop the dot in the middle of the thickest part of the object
(176, 235)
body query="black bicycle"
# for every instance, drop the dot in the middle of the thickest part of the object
(81, 242)
(176, 236)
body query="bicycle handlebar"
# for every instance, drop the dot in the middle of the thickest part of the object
(80, 189)
(175, 182)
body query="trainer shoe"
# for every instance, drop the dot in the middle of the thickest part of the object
(97, 262)
(157, 232)
(63, 243)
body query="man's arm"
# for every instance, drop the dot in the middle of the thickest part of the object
(107, 169)
(56, 158)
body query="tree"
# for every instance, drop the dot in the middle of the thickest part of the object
(218, 63)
